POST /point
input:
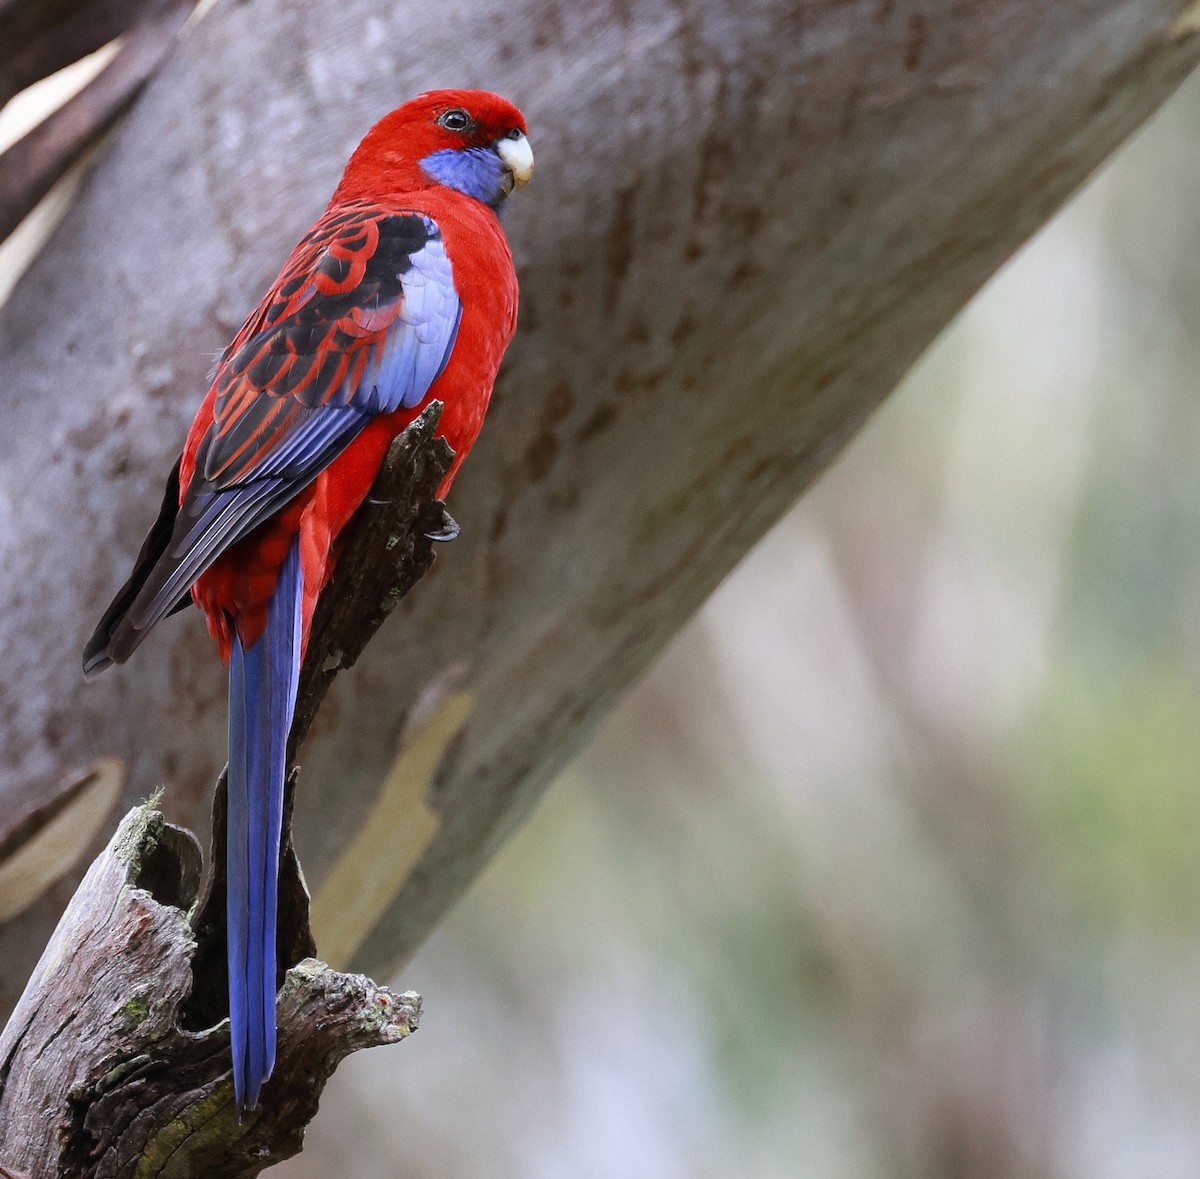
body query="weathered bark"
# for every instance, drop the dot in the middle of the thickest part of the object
(747, 221)
(143, 1089)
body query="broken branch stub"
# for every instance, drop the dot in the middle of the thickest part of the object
(99, 1074)
(387, 549)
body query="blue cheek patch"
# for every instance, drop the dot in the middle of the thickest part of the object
(477, 171)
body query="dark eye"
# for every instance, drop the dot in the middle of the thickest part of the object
(455, 120)
(515, 133)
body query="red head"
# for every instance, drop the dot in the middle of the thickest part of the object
(469, 140)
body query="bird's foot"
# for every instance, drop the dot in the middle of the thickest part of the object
(447, 528)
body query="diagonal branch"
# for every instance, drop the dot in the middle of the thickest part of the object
(32, 166)
(40, 37)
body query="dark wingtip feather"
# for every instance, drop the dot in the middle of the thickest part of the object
(95, 657)
(113, 641)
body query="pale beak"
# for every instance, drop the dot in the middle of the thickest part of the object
(518, 159)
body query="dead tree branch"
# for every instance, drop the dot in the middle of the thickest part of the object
(133, 981)
(139, 1089)
(388, 549)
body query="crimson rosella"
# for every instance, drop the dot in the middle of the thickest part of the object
(402, 292)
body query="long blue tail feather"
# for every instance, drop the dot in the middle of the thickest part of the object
(262, 698)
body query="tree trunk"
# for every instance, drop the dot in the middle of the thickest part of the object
(748, 220)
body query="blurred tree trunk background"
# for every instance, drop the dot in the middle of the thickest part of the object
(746, 225)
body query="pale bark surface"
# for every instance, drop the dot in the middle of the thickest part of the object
(143, 1090)
(747, 221)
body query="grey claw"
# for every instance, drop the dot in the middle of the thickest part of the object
(447, 530)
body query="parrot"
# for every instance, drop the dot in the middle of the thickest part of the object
(403, 291)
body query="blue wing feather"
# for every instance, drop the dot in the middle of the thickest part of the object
(282, 413)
